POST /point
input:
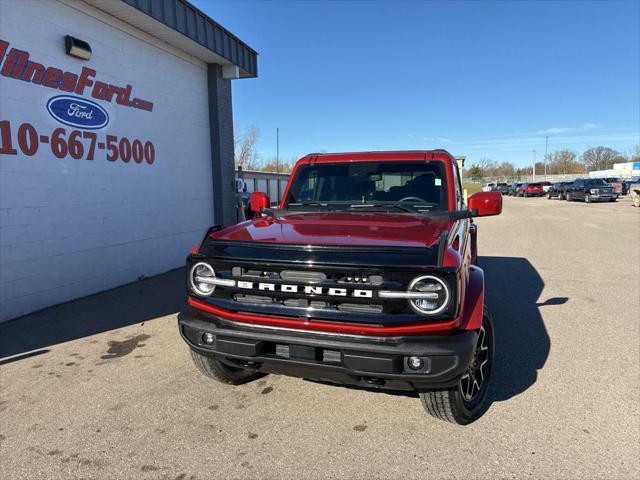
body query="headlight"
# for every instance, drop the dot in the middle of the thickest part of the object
(434, 291)
(202, 278)
(593, 191)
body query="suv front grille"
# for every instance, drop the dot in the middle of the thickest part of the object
(322, 292)
(307, 303)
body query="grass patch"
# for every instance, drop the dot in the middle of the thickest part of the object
(472, 188)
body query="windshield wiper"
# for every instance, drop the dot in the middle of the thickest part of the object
(399, 206)
(307, 204)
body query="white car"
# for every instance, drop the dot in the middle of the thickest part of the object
(488, 187)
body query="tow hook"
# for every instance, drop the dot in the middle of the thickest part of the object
(253, 365)
(373, 381)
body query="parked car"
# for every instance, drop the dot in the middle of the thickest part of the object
(557, 190)
(634, 193)
(488, 187)
(628, 182)
(533, 189)
(545, 186)
(503, 188)
(618, 186)
(590, 190)
(357, 283)
(513, 189)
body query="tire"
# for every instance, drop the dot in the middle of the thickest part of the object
(636, 201)
(548, 196)
(613, 200)
(587, 198)
(560, 196)
(567, 196)
(222, 373)
(455, 405)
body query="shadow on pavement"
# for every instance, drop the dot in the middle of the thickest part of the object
(120, 307)
(513, 288)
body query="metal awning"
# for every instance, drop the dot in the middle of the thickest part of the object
(182, 25)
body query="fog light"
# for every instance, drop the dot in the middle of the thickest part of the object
(416, 363)
(208, 338)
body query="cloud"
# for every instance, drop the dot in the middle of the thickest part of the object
(553, 130)
(528, 142)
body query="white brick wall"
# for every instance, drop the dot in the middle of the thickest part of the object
(69, 228)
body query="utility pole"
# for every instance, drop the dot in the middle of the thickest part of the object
(277, 150)
(546, 144)
(534, 165)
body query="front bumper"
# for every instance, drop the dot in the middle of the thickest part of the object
(353, 360)
(603, 197)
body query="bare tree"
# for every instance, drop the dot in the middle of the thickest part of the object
(486, 164)
(246, 155)
(564, 161)
(600, 158)
(505, 169)
(283, 165)
(635, 154)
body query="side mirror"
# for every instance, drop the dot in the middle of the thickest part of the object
(486, 203)
(258, 201)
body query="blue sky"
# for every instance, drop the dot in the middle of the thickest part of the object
(482, 79)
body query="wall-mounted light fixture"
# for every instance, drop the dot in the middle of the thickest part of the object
(77, 48)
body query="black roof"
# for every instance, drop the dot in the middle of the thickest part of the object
(185, 18)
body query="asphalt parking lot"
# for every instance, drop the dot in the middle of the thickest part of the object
(104, 387)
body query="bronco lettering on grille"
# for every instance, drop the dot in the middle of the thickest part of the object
(306, 289)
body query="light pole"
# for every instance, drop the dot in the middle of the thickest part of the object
(534, 164)
(546, 144)
(277, 150)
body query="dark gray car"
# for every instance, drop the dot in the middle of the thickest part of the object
(590, 190)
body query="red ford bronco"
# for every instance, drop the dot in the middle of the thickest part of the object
(364, 275)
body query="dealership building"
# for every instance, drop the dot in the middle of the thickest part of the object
(116, 142)
(619, 170)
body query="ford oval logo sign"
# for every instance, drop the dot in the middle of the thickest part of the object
(77, 112)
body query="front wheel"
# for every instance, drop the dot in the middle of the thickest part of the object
(218, 371)
(465, 403)
(567, 197)
(587, 198)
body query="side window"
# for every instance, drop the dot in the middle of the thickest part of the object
(457, 186)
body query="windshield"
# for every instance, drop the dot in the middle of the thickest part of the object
(597, 182)
(411, 186)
